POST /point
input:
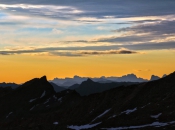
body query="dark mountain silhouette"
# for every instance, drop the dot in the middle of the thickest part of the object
(90, 87)
(57, 88)
(20, 100)
(67, 82)
(73, 87)
(164, 75)
(5, 90)
(148, 105)
(130, 78)
(12, 85)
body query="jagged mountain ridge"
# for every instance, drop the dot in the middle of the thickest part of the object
(141, 105)
(67, 82)
(90, 87)
(12, 85)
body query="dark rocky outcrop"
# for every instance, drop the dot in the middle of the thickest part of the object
(123, 106)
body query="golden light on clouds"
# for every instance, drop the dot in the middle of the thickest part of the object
(87, 38)
(20, 68)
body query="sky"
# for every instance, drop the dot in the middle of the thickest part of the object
(87, 38)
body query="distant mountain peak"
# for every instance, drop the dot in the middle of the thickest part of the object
(89, 80)
(76, 76)
(132, 75)
(154, 77)
(164, 75)
(43, 78)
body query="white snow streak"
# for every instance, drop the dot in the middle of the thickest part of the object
(9, 114)
(101, 114)
(54, 97)
(32, 100)
(55, 123)
(88, 126)
(43, 94)
(60, 99)
(156, 116)
(112, 116)
(129, 111)
(145, 105)
(32, 108)
(154, 124)
(46, 101)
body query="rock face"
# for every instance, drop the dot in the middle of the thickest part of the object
(35, 105)
(21, 99)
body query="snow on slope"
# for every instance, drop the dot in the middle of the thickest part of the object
(101, 114)
(88, 126)
(154, 124)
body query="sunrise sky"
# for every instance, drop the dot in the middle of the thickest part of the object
(86, 37)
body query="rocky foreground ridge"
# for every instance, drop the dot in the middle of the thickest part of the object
(36, 106)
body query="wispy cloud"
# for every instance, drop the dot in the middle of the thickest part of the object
(66, 52)
(101, 25)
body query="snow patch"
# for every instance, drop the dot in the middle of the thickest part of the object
(54, 97)
(55, 123)
(146, 105)
(129, 111)
(32, 108)
(154, 124)
(43, 94)
(9, 114)
(112, 116)
(60, 99)
(46, 101)
(91, 111)
(32, 100)
(156, 116)
(88, 126)
(101, 114)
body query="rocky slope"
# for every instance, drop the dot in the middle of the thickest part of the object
(36, 106)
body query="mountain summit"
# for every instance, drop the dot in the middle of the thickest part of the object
(35, 105)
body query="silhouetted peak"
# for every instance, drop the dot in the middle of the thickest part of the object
(102, 77)
(44, 78)
(164, 75)
(172, 75)
(76, 76)
(132, 75)
(89, 80)
(154, 77)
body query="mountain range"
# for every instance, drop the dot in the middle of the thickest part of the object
(67, 82)
(35, 105)
(12, 85)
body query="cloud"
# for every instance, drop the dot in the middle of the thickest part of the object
(141, 25)
(145, 70)
(68, 53)
(159, 28)
(56, 31)
(121, 51)
(100, 9)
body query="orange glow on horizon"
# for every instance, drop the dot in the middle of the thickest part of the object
(21, 68)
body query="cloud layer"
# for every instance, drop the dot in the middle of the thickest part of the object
(76, 28)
